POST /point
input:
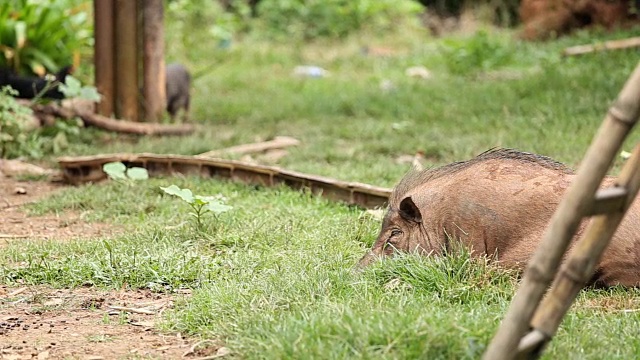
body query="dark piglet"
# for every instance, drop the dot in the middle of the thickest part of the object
(497, 205)
(178, 84)
(29, 87)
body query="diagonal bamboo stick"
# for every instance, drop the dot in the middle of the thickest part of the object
(540, 271)
(584, 257)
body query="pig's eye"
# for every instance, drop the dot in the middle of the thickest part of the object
(396, 232)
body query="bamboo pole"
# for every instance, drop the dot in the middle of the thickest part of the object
(126, 60)
(278, 142)
(155, 97)
(605, 46)
(581, 264)
(103, 57)
(564, 223)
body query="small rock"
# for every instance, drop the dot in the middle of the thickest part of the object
(223, 351)
(387, 85)
(310, 71)
(418, 72)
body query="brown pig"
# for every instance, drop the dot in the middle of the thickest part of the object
(497, 204)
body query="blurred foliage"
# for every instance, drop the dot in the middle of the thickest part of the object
(209, 15)
(288, 19)
(37, 36)
(21, 137)
(310, 19)
(14, 118)
(477, 53)
(499, 12)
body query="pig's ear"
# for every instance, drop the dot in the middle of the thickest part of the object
(409, 211)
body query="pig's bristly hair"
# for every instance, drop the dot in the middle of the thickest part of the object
(418, 177)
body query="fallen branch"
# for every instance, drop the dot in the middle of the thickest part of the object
(131, 127)
(132, 310)
(605, 46)
(278, 142)
(79, 109)
(11, 236)
(193, 348)
(16, 292)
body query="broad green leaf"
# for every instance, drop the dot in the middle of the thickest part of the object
(107, 245)
(40, 56)
(217, 207)
(60, 142)
(21, 34)
(198, 201)
(89, 93)
(207, 199)
(137, 173)
(184, 194)
(72, 84)
(115, 170)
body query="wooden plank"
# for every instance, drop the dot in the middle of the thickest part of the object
(82, 169)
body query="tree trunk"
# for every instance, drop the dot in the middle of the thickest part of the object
(126, 60)
(103, 57)
(153, 59)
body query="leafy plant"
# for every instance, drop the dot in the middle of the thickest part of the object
(119, 172)
(14, 139)
(72, 88)
(200, 205)
(36, 36)
(333, 18)
(478, 53)
(56, 138)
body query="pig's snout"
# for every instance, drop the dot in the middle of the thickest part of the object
(366, 260)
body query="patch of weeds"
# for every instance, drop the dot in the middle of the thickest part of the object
(72, 88)
(15, 140)
(456, 278)
(123, 318)
(481, 52)
(156, 261)
(312, 310)
(200, 205)
(100, 338)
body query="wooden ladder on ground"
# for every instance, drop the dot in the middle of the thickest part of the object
(531, 321)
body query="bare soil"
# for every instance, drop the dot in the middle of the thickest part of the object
(38, 322)
(16, 224)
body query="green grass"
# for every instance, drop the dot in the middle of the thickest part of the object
(273, 277)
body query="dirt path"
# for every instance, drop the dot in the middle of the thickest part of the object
(44, 323)
(15, 224)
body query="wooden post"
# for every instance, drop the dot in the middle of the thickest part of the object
(103, 59)
(126, 60)
(153, 60)
(576, 204)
